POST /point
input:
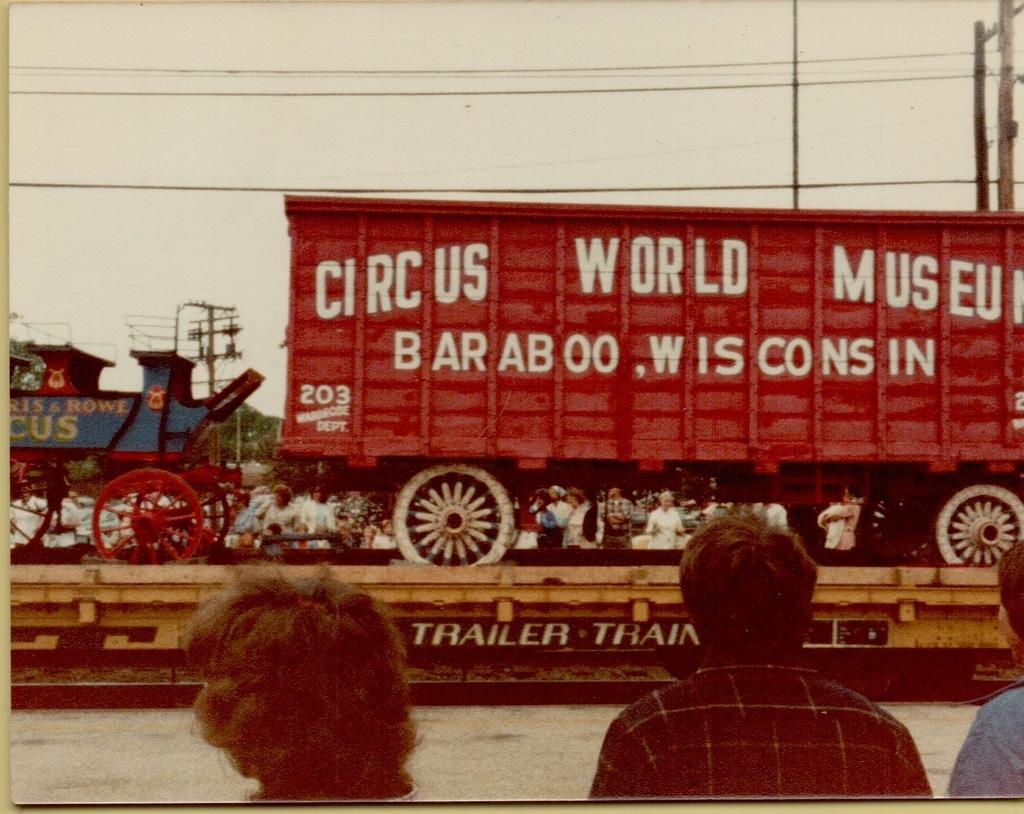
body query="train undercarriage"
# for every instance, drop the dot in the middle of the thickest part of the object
(472, 513)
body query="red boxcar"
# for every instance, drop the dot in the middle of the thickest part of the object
(479, 348)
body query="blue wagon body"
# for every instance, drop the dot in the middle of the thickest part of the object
(69, 415)
(143, 511)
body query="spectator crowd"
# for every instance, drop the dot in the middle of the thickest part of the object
(556, 518)
(305, 690)
(313, 520)
(574, 518)
(316, 520)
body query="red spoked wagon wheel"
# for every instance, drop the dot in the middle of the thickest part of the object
(212, 485)
(37, 490)
(216, 515)
(148, 515)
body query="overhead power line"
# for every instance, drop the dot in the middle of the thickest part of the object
(478, 71)
(521, 92)
(666, 74)
(485, 190)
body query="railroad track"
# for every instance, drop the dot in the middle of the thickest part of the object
(172, 695)
(559, 680)
(168, 695)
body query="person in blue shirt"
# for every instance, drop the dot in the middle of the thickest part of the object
(246, 524)
(991, 761)
(552, 517)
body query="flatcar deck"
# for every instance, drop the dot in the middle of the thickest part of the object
(917, 607)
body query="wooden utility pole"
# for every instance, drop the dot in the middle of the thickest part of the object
(796, 115)
(980, 135)
(1007, 126)
(220, 320)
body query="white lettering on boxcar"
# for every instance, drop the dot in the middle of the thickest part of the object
(849, 285)
(407, 350)
(734, 267)
(540, 353)
(580, 354)
(404, 298)
(836, 355)
(700, 283)
(725, 348)
(538, 357)
(595, 261)
(958, 288)
(909, 280)
(907, 356)
(728, 348)
(670, 265)
(460, 270)
(666, 351)
(1018, 297)
(474, 348)
(986, 293)
(467, 354)
(512, 355)
(656, 266)
(446, 356)
(642, 273)
(380, 276)
(797, 357)
(328, 308)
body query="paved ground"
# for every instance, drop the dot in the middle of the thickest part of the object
(465, 753)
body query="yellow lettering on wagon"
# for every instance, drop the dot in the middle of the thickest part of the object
(67, 428)
(40, 427)
(44, 428)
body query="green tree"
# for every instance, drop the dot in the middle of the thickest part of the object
(257, 433)
(24, 376)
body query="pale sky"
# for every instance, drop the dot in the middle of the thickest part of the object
(89, 257)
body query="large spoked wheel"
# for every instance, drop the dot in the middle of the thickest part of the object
(148, 516)
(37, 490)
(978, 524)
(216, 515)
(211, 483)
(896, 531)
(454, 515)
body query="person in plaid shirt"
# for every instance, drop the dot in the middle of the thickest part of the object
(618, 512)
(752, 722)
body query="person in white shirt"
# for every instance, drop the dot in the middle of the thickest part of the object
(280, 517)
(27, 513)
(317, 516)
(579, 533)
(62, 532)
(840, 521)
(665, 525)
(383, 539)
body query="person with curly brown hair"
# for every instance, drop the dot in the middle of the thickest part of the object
(305, 688)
